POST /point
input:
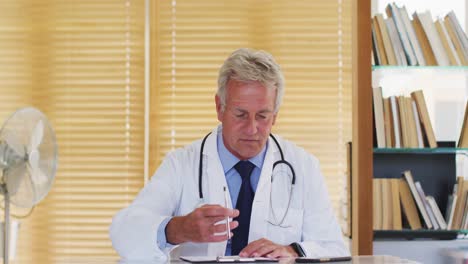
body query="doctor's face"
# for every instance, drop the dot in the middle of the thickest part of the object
(247, 117)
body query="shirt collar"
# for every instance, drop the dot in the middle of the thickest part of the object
(228, 160)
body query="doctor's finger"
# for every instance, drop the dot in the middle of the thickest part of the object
(264, 250)
(233, 225)
(222, 227)
(281, 252)
(254, 246)
(217, 210)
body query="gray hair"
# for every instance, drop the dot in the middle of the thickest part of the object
(246, 65)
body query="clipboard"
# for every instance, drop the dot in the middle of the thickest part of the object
(225, 259)
(322, 260)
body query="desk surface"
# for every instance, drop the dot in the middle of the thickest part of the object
(355, 260)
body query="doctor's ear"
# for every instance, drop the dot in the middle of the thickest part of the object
(219, 108)
(274, 118)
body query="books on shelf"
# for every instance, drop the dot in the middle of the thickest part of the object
(395, 13)
(408, 205)
(434, 41)
(426, 205)
(451, 211)
(396, 205)
(402, 122)
(421, 207)
(379, 116)
(422, 40)
(386, 204)
(418, 97)
(382, 33)
(447, 43)
(403, 200)
(437, 213)
(463, 139)
(458, 32)
(460, 208)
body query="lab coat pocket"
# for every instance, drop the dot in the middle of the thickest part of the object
(287, 231)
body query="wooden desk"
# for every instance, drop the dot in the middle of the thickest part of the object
(355, 260)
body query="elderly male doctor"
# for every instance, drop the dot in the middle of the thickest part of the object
(280, 212)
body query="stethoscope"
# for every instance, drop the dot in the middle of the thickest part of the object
(281, 161)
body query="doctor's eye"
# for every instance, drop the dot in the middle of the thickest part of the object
(240, 115)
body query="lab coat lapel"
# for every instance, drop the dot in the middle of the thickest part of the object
(261, 204)
(213, 182)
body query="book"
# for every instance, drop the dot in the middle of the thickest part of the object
(412, 133)
(393, 12)
(379, 116)
(376, 60)
(464, 222)
(455, 41)
(418, 97)
(396, 208)
(386, 39)
(417, 122)
(388, 125)
(458, 211)
(395, 121)
(437, 213)
(423, 41)
(405, 135)
(426, 205)
(447, 43)
(448, 208)
(463, 139)
(396, 42)
(412, 36)
(422, 209)
(379, 42)
(451, 214)
(387, 212)
(434, 41)
(377, 203)
(459, 32)
(408, 205)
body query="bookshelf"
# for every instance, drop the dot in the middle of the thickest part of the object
(366, 162)
(445, 91)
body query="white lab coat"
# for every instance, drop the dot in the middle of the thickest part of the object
(173, 191)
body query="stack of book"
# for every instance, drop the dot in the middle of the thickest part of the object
(402, 122)
(423, 41)
(395, 199)
(457, 208)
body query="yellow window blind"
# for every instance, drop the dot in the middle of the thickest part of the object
(82, 64)
(311, 40)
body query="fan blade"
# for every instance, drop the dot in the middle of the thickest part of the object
(12, 142)
(14, 176)
(36, 137)
(37, 176)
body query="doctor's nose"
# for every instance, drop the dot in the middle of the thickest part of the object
(251, 126)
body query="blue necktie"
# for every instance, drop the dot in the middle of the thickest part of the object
(244, 205)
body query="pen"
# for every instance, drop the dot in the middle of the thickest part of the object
(227, 218)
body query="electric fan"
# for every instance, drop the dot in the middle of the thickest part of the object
(28, 161)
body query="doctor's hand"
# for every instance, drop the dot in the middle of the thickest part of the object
(200, 225)
(265, 248)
